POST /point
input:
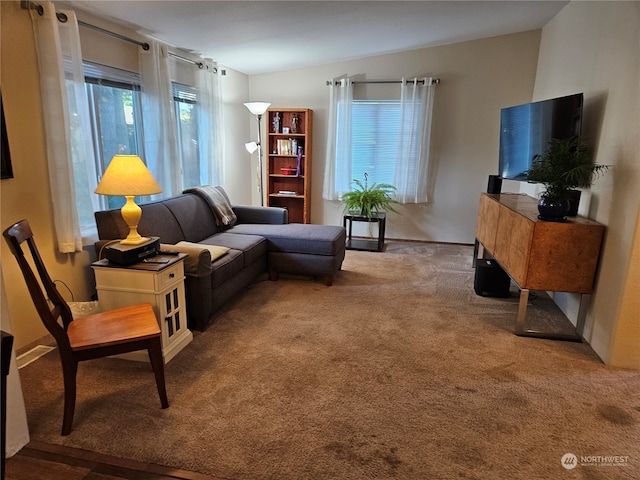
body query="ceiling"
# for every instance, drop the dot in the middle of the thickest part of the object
(255, 37)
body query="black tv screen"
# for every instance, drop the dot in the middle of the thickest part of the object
(526, 129)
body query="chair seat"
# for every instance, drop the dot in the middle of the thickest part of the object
(137, 322)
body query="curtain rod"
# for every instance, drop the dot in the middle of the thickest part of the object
(26, 5)
(63, 18)
(144, 45)
(436, 81)
(184, 59)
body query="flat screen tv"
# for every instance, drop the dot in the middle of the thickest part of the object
(526, 129)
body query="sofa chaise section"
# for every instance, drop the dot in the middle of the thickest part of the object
(302, 249)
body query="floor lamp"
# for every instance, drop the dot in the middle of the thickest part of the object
(257, 109)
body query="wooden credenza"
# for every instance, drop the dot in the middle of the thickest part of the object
(539, 255)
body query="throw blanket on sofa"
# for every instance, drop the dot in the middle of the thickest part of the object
(218, 202)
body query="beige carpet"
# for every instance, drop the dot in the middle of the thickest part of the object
(396, 371)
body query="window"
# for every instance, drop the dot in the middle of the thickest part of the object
(115, 109)
(185, 99)
(375, 130)
(116, 115)
(387, 139)
(102, 115)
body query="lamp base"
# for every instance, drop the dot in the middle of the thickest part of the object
(131, 214)
(133, 240)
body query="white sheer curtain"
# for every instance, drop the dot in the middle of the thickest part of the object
(412, 160)
(160, 131)
(337, 173)
(210, 121)
(67, 129)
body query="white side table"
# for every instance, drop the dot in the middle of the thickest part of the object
(159, 281)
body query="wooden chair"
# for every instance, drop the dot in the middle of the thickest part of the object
(85, 338)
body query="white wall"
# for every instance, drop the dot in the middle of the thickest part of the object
(240, 166)
(28, 195)
(17, 430)
(478, 79)
(592, 47)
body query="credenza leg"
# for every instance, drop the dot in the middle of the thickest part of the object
(522, 311)
(582, 314)
(522, 331)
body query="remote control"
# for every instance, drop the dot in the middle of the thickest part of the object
(155, 260)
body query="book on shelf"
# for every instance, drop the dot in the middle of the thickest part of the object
(287, 146)
(287, 192)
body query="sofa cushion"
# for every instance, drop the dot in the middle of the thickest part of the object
(109, 223)
(226, 267)
(252, 247)
(219, 203)
(200, 257)
(194, 217)
(297, 237)
(156, 221)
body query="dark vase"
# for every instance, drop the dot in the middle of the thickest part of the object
(553, 209)
(574, 202)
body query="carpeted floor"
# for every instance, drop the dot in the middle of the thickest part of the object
(396, 371)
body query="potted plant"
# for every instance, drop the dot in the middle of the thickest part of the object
(367, 200)
(564, 166)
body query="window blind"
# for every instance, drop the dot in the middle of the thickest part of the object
(375, 133)
(110, 76)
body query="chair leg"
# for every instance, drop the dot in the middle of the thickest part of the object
(157, 363)
(69, 370)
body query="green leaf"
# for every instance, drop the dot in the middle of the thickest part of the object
(565, 165)
(368, 199)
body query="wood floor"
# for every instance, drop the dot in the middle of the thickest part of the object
(42, 461)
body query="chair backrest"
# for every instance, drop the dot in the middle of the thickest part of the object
(49, 313)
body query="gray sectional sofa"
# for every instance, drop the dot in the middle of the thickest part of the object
(258, 239)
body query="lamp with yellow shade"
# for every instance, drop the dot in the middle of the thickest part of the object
(127, 175)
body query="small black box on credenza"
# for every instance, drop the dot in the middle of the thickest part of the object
(128, 254)
(494, 185)
(491, 280)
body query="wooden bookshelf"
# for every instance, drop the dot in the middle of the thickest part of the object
(289, 184)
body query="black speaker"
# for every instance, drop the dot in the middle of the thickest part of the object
(491, 280)
(495, 184)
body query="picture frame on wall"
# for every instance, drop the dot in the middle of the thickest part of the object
(6, 170)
